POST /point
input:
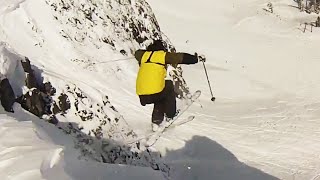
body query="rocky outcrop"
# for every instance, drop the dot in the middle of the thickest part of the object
(7, 96)
(100, 143)
(31, 81)
(38, 98)
(124, 22)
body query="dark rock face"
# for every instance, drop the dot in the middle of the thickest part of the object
(38, 100)
(26, 65)
(125, 21)
(31, 81)
(64, 103)
(33, 102)
(53, 120)
(7, 95)
(39, 103)
(55, 109)
(48, 89)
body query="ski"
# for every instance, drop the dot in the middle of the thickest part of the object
(154, 137)
(181, 122)
(147, 139)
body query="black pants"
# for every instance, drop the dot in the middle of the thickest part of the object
(164, 103)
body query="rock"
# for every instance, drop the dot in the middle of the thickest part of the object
(34, 102)
(123, 52)
(64, 102)
(26, 65)
(31, 81)
(53, 120)
(7, 95)
(56, 108)
(48, 89)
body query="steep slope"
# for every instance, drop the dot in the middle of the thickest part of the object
(34, 149)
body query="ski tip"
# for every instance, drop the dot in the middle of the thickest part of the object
(196, 95)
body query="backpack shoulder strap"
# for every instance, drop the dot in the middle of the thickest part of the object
(149, 59)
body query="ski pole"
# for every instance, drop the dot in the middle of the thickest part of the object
(202, 59)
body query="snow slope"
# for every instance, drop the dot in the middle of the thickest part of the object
(264, 74)
(263, 69)
(33, 149)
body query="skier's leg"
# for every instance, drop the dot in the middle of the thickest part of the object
(170, 100)
(158, 112)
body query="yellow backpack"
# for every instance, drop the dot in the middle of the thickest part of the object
(152, 73)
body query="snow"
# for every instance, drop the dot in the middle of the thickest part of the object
(11, 68)
(264, 75)
(262, 67)
(32, 149)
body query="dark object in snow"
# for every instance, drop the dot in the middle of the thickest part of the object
(26, 65)
(31, 81)
(318, 22)
(53, 120)
(123, 52)
(7, 95)
(33, 102)
(48, 89)
(56, 108)
(64, 102)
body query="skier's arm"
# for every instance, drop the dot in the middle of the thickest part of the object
(180, 58)
(138, 55)
(171, 58)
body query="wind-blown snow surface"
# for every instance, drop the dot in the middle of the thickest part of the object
(263, 125)
(33, 149)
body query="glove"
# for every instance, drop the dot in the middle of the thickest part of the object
(201, 58)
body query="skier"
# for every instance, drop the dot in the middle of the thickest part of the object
(152, 86)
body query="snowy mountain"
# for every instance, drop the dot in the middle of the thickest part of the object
(69, 108)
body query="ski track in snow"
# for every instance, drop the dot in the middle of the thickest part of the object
(281, 139)
(12, 6)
